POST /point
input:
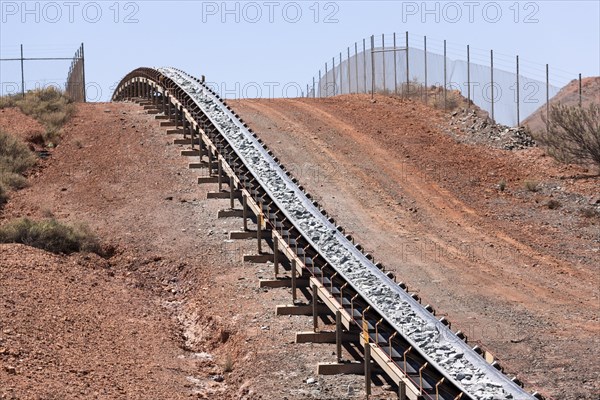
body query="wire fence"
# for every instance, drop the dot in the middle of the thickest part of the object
(433, 70)
(74, 86)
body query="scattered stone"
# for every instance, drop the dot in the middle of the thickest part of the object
(477, 126)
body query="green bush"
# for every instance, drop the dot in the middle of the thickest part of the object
(50, 235)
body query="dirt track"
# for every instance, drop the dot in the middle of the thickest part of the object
(507, 270)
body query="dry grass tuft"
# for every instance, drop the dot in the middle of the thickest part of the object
(15, 160)
(50, 235)
(49, 106)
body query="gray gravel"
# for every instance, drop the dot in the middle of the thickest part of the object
(476, 126)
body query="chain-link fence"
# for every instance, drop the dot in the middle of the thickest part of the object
(75, 86)
(508, 88)
(75, 83)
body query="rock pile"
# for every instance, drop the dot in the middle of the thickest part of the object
(476, 126)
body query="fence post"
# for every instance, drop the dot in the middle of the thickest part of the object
(407, 72)
(326, 81)
(341, 76)
(518, 114)
(383, 59)
(22, 74)
(83, 73)
(468, 78)
(579, 90)
(547, 99)
(365, 63)
(395, 67)
(356, 65)
(492, 79)
(349, 73)
(425, 55)
(445, 76)
(372, 66)
(333, 73)
(320, 93)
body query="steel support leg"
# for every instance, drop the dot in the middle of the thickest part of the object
(315, 296)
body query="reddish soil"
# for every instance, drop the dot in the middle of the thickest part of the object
(72, 329)
(509, 270)
(175, 309)
(173, 313)
(18, 124)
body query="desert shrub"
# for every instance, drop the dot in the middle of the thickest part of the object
(531, 186)
(590, 212)
(49, 106)
(8, 101)
(15, 160)
(50, 235)
(13, 181)
(573, 134)
(413, 89)
(15, 157)
(3, 194)
(502, 185)
(228, 364)
(453, 99)
(553, 204)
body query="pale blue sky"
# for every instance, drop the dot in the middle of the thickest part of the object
(283, 41)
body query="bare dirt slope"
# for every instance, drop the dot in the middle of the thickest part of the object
(175, 309)
(505, 243)
(568, 95)
(71, 329)
(174, 312)
(18, 124)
